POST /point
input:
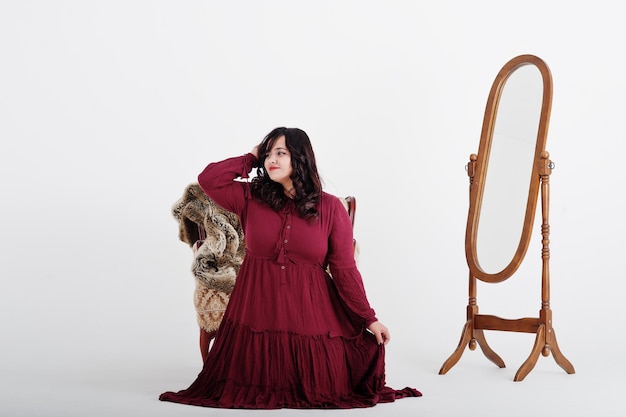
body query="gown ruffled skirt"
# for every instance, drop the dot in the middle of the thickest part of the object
(296, 348)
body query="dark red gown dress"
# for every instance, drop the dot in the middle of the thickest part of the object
(291, 336)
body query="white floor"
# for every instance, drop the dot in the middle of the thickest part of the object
(472, 388)
(82, 373)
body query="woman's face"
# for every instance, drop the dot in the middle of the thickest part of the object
(278, 163)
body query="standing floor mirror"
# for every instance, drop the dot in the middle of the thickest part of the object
(507, 176)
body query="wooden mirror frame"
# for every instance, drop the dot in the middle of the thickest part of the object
(473, 330)
(479, 163)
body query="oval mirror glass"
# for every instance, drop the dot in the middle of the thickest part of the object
(509, 169)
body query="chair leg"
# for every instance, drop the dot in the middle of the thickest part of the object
(205, 343)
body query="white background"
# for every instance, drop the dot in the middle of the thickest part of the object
(108, 109)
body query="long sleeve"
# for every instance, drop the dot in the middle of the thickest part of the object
(346, 276)
(217, 180)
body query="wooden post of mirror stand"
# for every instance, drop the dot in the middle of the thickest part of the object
(545, 340)
(471, 336)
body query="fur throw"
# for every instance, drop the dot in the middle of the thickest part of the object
(218, 243)
(221, 250)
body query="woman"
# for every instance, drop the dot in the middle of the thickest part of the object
(292, 336)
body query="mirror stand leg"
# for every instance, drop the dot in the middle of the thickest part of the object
(529, 364)
(560, 359)
(466, 336)
(487, 351)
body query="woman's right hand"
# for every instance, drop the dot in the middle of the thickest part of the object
(255, 152)
(380, 331)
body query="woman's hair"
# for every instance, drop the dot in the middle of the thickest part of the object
(306, 180)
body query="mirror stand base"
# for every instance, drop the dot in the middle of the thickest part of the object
(545, 342)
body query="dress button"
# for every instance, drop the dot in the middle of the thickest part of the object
(288, 227)
(286, 240)
(282, 267)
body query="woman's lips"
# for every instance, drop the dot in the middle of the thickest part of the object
(273, 168)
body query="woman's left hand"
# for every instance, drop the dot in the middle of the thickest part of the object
(380, 331)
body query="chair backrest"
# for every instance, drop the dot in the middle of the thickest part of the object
(351, 206)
